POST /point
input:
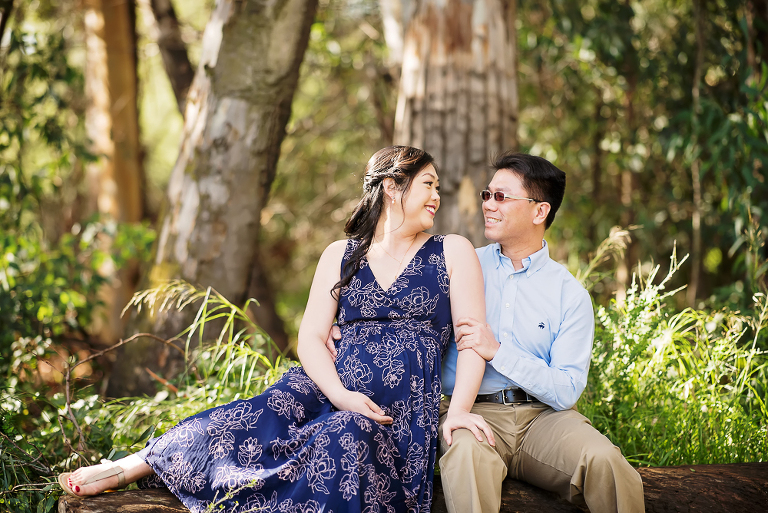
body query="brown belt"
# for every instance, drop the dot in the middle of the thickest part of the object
(508, 396)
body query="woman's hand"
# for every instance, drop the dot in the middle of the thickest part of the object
(458, 419)
(360, 403)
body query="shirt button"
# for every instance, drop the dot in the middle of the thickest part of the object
(505, 333)
(507, 305)
(503, 368)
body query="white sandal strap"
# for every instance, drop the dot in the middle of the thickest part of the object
(112, 471)
(120, 473)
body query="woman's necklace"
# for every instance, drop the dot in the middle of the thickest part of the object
(399, 262)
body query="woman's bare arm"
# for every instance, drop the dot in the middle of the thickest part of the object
(467, 300)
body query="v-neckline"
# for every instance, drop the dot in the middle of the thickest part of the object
(375, 279)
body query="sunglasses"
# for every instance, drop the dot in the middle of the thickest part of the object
(501, 196)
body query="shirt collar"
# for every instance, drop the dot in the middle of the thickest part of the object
(531, 263)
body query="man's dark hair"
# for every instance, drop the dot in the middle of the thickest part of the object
(542, 180)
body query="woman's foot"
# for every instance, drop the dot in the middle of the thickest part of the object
(78, 481)
(109, 475)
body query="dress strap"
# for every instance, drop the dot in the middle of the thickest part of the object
(351, 245)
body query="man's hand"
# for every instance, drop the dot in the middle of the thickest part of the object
(472, 334)
(458, 419)
(360, 403)
(333, 336)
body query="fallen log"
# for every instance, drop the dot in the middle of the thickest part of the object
(133, 501)
(735, 488)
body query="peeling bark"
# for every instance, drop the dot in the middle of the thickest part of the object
(458, 99)
(235, 120)
(395, 15)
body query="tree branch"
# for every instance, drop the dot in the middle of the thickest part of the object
(67, 380)
(173, 50)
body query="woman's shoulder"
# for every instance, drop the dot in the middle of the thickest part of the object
(458, 244)
(458, 252)
(334, 252)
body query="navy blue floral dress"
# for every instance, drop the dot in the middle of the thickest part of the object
(290, 450)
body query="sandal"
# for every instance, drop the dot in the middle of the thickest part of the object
(111, 471)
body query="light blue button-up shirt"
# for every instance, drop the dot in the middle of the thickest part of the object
(544, 321)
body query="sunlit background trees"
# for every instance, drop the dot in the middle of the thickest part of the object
(134, 150)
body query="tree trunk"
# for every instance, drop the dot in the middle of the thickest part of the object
(458, 99)
(6, 6)
(395, 15)
(628, 177)
(235, 120)
(757, 23)
(173, 50)
(265, 313)
(597, 170)
(693, 283)
(112, 124)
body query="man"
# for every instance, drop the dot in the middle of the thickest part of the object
(537, 342)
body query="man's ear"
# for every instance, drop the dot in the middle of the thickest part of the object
(542, 211)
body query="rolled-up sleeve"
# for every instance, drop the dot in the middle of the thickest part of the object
(560, 381)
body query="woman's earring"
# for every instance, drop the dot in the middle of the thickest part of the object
(393, 200)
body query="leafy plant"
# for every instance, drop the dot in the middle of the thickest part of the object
(679, 388)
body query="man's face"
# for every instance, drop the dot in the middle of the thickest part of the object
(509, 219)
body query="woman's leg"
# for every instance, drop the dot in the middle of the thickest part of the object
(133, 467)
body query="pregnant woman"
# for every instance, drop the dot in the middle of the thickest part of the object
(358, 433)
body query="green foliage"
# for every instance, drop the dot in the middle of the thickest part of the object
(606, 92)
(22, 484)
(49, 270)
(679, 388)
(224, 368)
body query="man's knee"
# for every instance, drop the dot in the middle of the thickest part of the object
(606, 460)
(465, 447)
(472, 473)
(606, 455)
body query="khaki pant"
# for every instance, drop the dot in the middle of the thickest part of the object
(559, 451)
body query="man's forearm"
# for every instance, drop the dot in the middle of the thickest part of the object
(557, 387)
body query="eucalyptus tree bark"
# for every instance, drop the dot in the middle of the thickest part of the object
(235, 120)
(112, 123)
(173, 50)
(458, 99)
(395, 15)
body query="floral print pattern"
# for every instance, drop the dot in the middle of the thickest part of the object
(289, 450)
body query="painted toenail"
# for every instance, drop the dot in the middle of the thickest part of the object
(77, 489)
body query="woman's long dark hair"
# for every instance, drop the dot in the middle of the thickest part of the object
(402, 164)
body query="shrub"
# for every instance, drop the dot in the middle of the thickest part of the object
(679, 388)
